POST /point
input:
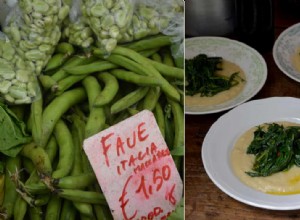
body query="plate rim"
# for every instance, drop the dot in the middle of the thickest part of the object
(275, 47)
(258, 89)
(225, 189)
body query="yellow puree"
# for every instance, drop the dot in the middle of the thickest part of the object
(296, 60)
(227, 69)
(282, 183)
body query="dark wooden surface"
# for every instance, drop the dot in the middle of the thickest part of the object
(203, 199)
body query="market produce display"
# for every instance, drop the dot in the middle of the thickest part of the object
(64, 78)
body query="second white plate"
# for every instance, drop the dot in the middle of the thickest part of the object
(220, 140)
(250, 61)
(284, 48)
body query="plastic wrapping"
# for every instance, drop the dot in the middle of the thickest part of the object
(33, 26)
(76, 30)
(151, 17)
(175, 28)
(108, 19)
(17, 83)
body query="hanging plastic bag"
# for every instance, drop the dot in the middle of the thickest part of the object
(75, 28)
(175, 28)
(33, 26)
(108, 19)
(17, 83)
(151, 17)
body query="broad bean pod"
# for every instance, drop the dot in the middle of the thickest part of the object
(109, 91)
(37, 111)
(38, 156)
(179, 128)
(12, 165)
(20, 208)
(129, 100)
(68, 211)
(169, 90)
(53, 208)
(57, 108)
(79, 181)
(74, 61)
(83, 196)
(132, 77)
(97, 66)
(151, 98)
(66, 153)
(159, 116)
(96, 119)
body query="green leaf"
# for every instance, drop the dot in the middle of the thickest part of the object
(178, 214)
(276, 148)
(12, 132)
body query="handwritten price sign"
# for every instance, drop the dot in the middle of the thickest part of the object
(135, 169)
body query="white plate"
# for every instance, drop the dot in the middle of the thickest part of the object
(224, 132)
(284, 48)
(250, 61)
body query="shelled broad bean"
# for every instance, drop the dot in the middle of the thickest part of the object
(34, 30)
(150, 18)
(32, 33)
(17, 83)
(108, 19)
(76, 29)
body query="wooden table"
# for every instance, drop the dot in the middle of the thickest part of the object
(203, 199)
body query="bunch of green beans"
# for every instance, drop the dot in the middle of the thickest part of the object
(83, 95)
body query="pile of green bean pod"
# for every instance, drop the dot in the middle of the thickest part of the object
(82, 95)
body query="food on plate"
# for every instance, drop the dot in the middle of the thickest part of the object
(212, 80)
(296, 59)
(267, 158)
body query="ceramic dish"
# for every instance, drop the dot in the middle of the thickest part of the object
(284, 48)
(220, 139)
(250, 61)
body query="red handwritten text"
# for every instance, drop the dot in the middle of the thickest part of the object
(139, 163)
(153, 214)
(159, 176)
(120, 145)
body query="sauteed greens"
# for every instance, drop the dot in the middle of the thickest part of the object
(202, 78)
(276, 149)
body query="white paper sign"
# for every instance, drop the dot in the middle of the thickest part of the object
(135, 169)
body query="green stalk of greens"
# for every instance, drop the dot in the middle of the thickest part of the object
(201, 76)
(276, 149)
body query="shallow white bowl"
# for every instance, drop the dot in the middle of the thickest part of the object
(250, 61)
(222, 135)
(284, 48)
